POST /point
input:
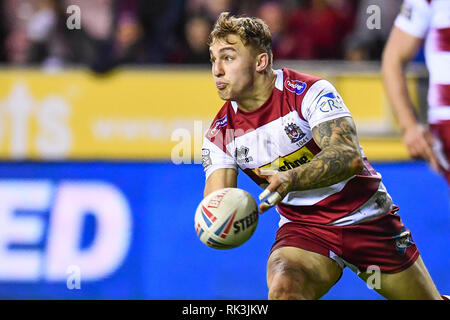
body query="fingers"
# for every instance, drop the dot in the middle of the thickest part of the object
(420, 145)
(429, 138)
(432, 159)
(264, 194)
(271, 199)
(422, 149)
(279, 186)
(442, 159)
(273, 185)
(434, 147)
(429, 154)
(265, 173)
(268, 172)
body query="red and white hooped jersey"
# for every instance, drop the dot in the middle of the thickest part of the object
(278, 136)
(430, 20)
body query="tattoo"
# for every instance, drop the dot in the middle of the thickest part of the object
(339, 159)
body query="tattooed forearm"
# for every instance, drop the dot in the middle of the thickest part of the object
(339, 159)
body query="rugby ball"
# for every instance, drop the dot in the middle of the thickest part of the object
(226, 218)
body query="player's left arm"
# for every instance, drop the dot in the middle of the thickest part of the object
(339, 159)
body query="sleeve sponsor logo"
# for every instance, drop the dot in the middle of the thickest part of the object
(206, 159)
(216, 126)
(330, 102)
(406, 11)
(296, 86)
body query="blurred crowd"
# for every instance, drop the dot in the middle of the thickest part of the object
(113, 32)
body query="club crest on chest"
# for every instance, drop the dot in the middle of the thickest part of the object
(294, 132)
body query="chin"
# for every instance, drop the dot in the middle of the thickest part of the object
(225, 96)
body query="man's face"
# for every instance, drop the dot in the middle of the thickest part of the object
(233, 67)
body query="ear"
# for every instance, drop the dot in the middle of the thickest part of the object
(262, 62)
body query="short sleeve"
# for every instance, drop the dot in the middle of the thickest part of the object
(323, 103)
(414, 18)
(214, 158)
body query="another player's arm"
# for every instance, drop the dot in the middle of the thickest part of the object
(221, 178)
(339, 159)
(400, 49)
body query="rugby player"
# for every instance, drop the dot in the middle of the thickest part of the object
(419, 21)
(294, 136)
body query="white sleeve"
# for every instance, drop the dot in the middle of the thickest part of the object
(323, 103)
(414, 18)
(214, 158)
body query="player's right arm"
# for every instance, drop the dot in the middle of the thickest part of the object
(218, 162)
(400, 49)
(221, 178)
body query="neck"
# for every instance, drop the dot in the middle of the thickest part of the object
(262, 89)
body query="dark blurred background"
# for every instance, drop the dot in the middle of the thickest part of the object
(117, 32)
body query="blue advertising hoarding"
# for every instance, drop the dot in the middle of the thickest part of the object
(125, 230)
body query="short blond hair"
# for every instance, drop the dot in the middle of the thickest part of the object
(253, 32)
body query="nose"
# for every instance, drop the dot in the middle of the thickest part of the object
(218, 69)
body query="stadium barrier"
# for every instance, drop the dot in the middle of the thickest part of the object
(148, 114)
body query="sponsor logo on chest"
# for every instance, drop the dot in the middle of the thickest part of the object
(296, 86)
(291, 161)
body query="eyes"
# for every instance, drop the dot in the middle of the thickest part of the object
(226, 58)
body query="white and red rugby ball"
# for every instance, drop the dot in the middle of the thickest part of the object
(226, 218)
